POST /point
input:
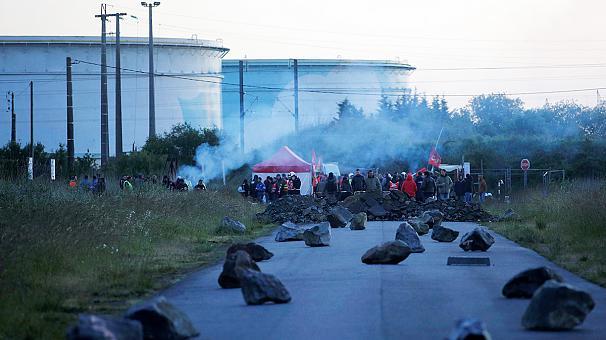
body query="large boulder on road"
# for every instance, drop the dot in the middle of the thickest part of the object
(231, 226)
(105, 327)
(259, 288)
(358, 222)
(524, 284)
(338, 217)
(256, 251)
(317, 236)
(162, 320)
(239, 259)
(477, 239)
(419, 226)
(407, 234)
(392, 252)
(444, 234)
(433, 218)
(289, 232)
(557, 306)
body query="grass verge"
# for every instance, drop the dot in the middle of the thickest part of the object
(568, 226)
(63, 252)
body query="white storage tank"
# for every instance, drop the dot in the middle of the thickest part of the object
(196, 100)
(323, 83)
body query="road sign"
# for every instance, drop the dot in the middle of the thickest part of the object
(525, 164)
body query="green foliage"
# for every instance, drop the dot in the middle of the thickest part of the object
(67, 251)
(348, 112)
(181, 142)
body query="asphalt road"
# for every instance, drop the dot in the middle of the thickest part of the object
(336, 296)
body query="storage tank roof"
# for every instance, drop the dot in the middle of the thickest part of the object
(93, 40)
(322, 62)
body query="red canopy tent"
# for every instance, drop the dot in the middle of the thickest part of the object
(283, 162)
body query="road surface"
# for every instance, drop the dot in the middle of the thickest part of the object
(336, 296)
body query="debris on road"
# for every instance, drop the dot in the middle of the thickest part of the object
(256, 251)
(289, 232)
(104, 327)
(444, 234)
(259, 288)
(338, 217)
(408, 235)
(524, 284)
(297, 209)
(161, 320)
(392, 252)
(239, 259)
(317, 236)
(358, 222)
(557, 306)
(477, 239)
(467, 329)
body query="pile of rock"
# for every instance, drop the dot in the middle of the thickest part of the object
(395, 205)
(297, 209)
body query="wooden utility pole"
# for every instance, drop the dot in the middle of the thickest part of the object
(31, 118)
(118, 86)
(296, 81)
(70, 117)
(241, 68)
(104, 108)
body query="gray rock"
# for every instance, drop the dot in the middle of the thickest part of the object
(433, 218)
(338, 217)
(231, 226)
(317, 236)
(256, 251)
(392, 252)
(557, 306)
(443, 234)
(358, 222)
(98, 327)
(477, 239)
(289, 232)
(407, 234)
(162, 320)
(377, 211)
(469, 329)
(240, 259)
(259, 288)
(420, 227)
(524, 284)
(509, 215)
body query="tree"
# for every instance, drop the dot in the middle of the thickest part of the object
(347, 111)
(181, 142)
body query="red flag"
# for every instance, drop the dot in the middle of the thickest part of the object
(313, 162)
(434, 158)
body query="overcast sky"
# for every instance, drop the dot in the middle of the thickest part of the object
(524, 39)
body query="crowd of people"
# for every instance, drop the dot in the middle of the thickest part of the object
(95, 185)
(272, 187)
(129, 183)
(422, 186)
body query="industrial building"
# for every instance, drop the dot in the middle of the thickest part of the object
(323, 83)
(187, 85)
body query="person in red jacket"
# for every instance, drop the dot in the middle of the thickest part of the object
(409, 186)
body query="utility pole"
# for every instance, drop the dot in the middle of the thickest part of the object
(296, 70)
(241, 67)
(31, 118)
(13, 119)
(104, 108)
(118, 87)
(152, 105)
(70, 117)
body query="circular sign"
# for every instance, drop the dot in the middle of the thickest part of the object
(525, 164)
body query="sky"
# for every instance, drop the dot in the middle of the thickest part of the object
(460, 47)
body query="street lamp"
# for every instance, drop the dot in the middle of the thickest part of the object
(152, 105)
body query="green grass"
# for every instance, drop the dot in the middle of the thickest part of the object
(63, 252)
(568, 226)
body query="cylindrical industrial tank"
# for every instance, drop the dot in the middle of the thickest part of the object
(323, 83)
(187, 85)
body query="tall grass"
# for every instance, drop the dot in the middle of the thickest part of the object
(568, 225)
(67, 251)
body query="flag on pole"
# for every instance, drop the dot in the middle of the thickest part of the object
(313, 162)
(434, 158)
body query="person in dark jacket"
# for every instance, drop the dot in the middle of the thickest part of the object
(372, 183)
(419, 195)
(296, 184)
(429, 186)
(468, 188)
(345, 187)
(268, 185)
(331, 185)
(244, 189)
(357, 182)
(459, 189)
